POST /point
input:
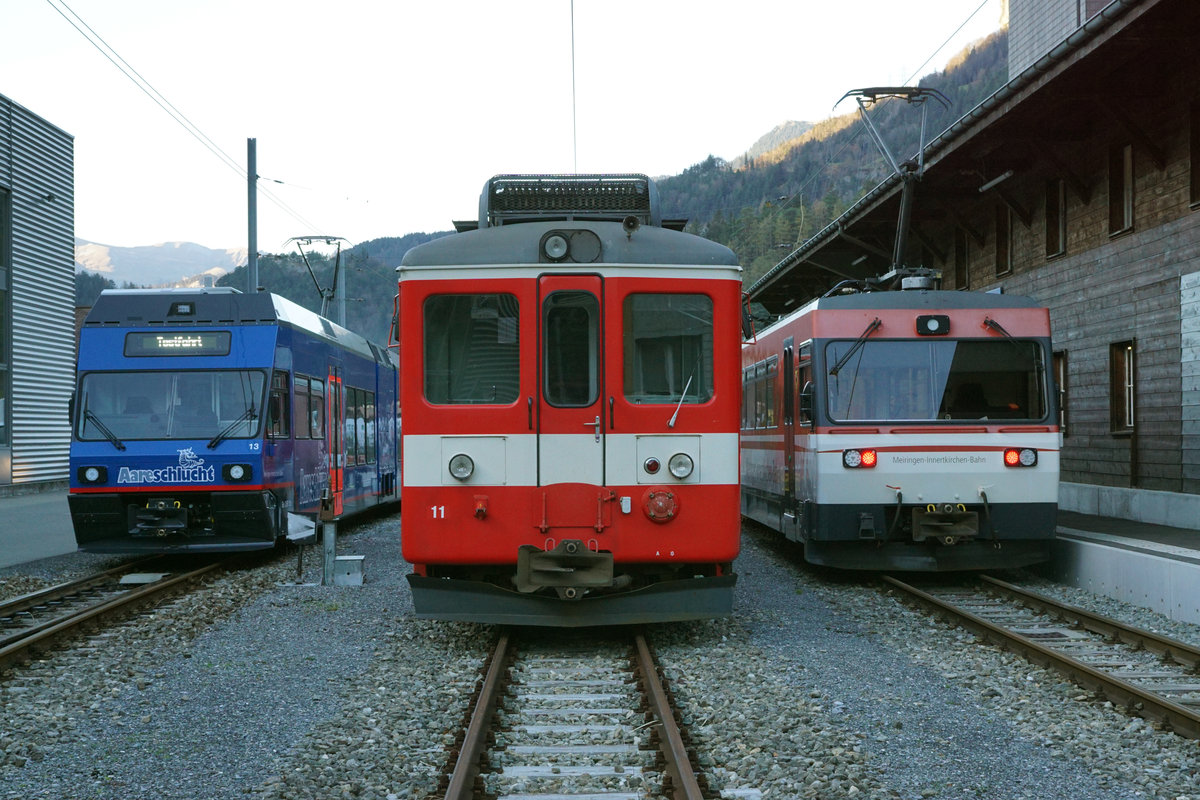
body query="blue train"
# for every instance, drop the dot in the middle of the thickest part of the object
(202, 418)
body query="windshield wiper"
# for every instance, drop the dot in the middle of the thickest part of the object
(112, 437)
(248, 414)
(988, 322)
(686, 386)
(872, 326)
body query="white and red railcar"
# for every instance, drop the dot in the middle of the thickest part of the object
(906, 430)
(570, 394)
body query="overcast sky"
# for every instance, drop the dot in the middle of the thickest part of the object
(382, 118)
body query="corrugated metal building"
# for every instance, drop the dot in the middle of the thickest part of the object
(37, 297)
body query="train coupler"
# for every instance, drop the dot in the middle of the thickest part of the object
(945, 523)
(159, 517)
(570, 569)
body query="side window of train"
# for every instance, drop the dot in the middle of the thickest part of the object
(368, 409)
(360, 426)
(300, 408)
(804, 384)
(760, 396)
(748, 398)
(316, 408)
(667, 348)
(472, 349)
(278, 413)
(769, 396)
(355, 454)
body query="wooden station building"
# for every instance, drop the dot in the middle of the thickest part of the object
(1076, 183)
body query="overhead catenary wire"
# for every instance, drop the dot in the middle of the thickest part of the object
(96, 40)
(811, 178)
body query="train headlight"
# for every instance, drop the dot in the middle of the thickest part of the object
(680, 465)
(1020, 457)
(461, 466)
(92, 474)
(555, 247)
(860, 459)
(236, 472)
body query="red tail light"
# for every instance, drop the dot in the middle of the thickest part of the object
(1020, 457)
(859, 459)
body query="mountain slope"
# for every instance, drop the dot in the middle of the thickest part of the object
(777, 200)
(167, 264)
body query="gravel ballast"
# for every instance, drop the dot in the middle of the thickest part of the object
(817, 687)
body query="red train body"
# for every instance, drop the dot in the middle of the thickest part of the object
(569, 385)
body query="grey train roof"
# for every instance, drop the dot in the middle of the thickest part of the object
(518, 244)
(517, 211)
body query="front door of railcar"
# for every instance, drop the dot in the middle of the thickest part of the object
(571, 391)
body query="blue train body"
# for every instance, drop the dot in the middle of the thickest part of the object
(203, 417)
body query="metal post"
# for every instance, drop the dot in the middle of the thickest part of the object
(329, 539)
(340, 292)
(252, 208)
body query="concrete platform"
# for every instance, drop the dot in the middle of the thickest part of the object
(34, 526)
(1153, 566)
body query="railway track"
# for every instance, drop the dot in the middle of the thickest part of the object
(36, 620)
(1149, 675)
(588, 720)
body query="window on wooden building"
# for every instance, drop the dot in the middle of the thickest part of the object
(962, 275)
(1122, 366)
(1056, 217)
(1120, 189)
(1194, 156)
(1004, 243)
(1061, 385)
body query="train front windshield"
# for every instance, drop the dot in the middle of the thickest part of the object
(944, 379)
(200, 404)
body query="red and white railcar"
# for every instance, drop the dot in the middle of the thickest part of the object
(906, 430)
(570, 394)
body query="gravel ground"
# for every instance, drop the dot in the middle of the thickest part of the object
(908, 707)
(248, 688)
(817, 687)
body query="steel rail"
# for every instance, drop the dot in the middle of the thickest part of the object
(466, 766)
(1180, 652)
(25, 602)
(1182, 720)
(678, 764)
(63, 625)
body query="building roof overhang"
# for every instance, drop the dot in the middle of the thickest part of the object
(1125, 54)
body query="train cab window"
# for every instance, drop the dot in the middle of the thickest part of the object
(472, 349)
(668, 344)
(189, 404)
(572, 348)
(278, 413)
(946, 380)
